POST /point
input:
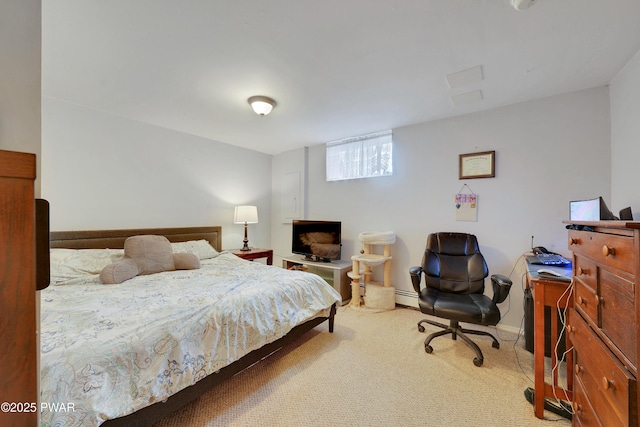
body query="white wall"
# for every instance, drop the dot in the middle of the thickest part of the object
(625, 137)
(288, 164)
(20, 49)
(548, 152)
(106, 172)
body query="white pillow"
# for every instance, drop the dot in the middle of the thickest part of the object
(201, 248)
(67, 264)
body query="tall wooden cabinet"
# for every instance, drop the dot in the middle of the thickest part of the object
(605, 322)
(18, 371)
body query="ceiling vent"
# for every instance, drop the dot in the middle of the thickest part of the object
(467, 98)
(465, 77)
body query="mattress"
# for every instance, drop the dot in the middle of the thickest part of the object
(109, 350)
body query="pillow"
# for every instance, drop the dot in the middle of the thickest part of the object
(201, 248)
(151, 253)
(184, 261)
(119, 271)
(67, 264)
(147, 255)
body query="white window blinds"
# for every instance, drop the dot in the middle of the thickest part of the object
(360, 157)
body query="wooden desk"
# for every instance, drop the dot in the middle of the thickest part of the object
(255, 253)
(551, 293)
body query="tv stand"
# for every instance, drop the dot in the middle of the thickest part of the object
(333, 272)
(315, 258)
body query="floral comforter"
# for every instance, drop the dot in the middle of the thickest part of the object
(109, 350)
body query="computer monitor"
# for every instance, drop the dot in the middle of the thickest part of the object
(590, 210)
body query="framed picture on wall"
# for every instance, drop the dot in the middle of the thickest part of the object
(477, 165)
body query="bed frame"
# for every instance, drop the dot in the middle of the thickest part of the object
(114, 239)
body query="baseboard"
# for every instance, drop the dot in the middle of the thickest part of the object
(406, 298)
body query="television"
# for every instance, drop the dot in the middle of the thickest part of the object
(317, 240)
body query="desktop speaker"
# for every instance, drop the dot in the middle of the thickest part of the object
(626, 214)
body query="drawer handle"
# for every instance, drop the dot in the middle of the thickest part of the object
(582, 301)
(577, 408)
(606, 251)
(607, 383)
(582, 271)
(573, 241)
(570, 329)
(578, 369)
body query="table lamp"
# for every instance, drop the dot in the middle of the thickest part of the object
(245, 215)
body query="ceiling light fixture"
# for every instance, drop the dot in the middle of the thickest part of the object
(262, 105)
(522, 4)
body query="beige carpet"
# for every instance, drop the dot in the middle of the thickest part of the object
(373, 371)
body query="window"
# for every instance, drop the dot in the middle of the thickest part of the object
(360, 157)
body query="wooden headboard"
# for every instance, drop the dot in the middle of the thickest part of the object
(114, 239)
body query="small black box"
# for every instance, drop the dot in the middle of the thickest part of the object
(528, 327)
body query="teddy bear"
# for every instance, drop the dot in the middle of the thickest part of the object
(147, 254)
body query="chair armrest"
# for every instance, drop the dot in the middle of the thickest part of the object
(416, 276)
(501, 287)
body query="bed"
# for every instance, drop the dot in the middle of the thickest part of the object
(131, 353)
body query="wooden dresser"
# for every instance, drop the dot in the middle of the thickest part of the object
(605, 322)
(18, 371)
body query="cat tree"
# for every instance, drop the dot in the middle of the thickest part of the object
(377, 296)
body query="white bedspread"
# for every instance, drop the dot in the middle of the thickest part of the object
(109, 350)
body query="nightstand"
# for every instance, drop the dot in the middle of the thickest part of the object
(254, 253)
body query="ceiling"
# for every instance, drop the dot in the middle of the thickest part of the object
(337, 68)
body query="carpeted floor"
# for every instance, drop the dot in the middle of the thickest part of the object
(373, 371)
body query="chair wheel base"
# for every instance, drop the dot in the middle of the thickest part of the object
(456, 331)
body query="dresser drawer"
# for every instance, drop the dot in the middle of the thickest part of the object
(584, 415)
(609, 249)
(610, 387)
(586, 271)
(587, 300)
(617, 312)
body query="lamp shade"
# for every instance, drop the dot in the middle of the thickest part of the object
(245, 215)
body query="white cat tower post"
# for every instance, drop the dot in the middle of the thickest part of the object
(377, 296)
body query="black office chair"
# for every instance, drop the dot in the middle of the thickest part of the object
(455, 271)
